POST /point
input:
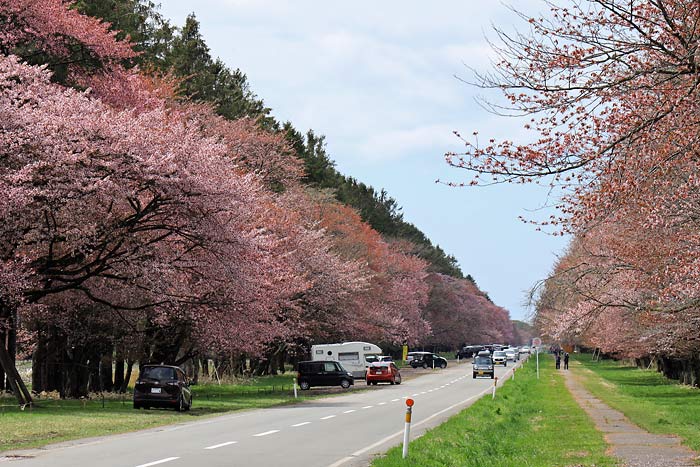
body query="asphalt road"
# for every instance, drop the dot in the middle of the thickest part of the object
(346, 430)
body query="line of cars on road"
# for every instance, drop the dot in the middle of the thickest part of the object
(484, 360)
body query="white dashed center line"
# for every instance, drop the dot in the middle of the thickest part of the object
(265, 433)
(394, 400)
(367, 406)
(216, 446)
(162, 461)
(302, 424)
(349, 411)
(327, 417)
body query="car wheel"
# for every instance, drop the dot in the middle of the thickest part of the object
(374, 383)
(443, 365)
(369, 383)
(393, 381)
(304, 385)
(425, 365)
(137, 405)
(344, 383)
(180, 404)
(398, 379)
(491, 375)
(474, 375)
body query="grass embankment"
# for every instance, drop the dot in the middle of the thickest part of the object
(61, 420)
(646, 397)
(531, 423)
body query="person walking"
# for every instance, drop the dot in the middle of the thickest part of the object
(566, 360)
(558, 360)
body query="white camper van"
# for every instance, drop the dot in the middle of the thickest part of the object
(352, 355)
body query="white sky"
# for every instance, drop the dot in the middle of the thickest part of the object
(378, 79)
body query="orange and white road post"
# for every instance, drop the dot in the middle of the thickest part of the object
(407, 427)
(495, 383)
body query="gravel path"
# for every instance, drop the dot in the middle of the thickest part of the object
(633, 445)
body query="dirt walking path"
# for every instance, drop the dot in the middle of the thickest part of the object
(633, 445)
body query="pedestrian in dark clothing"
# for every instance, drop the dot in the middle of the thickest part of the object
(558, 361)
(566, 360)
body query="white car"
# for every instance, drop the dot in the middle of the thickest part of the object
(499, 357)
(524, 349)
(511, 355)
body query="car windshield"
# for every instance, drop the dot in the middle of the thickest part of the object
(159, 373)
(482, 360)
(499, 353)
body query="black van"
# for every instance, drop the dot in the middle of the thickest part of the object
(323, 373)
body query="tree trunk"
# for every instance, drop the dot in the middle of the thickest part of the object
(47, 361)
(118, 369)
(106, 383)
(127, 378)
(76, 373)
(93, 363)
(14, 379)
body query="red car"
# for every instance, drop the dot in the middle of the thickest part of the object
(383, 372)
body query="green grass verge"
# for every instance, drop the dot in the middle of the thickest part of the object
(646, 397)
(531, 423)
(61, 420)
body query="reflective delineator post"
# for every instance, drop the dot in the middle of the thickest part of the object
(537, 356)
(295, 388)
(495, 383)
(407, 427)
(514, 368)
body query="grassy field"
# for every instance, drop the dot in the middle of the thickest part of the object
(60, 420)
(647, 398)
(531, 423)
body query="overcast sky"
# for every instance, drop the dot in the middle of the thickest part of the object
(379, 80)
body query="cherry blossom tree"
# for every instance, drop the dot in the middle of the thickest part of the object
(609, 89)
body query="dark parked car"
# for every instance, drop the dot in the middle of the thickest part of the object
(468, 351)
(483, 366)
(162, 386)
(323, 373)
(428, 360)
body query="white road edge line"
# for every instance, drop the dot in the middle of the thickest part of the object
(265, 433)
(216, 446)
(399, 433)
(327, 417)
(301, 424)
(162, 461)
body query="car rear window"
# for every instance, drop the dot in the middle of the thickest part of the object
(158, 373)
(482, 360)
